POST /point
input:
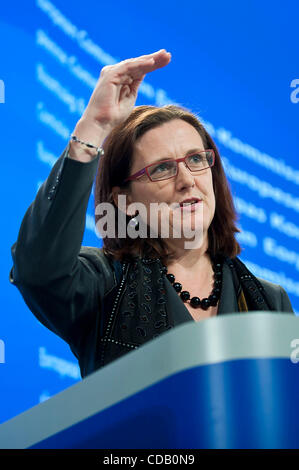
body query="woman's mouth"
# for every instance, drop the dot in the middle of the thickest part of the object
(189, 205)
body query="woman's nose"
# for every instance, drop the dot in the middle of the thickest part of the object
(184, 175)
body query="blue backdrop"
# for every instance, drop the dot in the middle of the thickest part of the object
(233, 63)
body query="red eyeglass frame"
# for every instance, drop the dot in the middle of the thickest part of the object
(139, 173)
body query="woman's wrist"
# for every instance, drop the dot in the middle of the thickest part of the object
(90, 132)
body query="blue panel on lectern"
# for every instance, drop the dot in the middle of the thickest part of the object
(235, 64)
(234, 404)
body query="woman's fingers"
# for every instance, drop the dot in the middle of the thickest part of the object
(154, 55)
(116, 91)
(135, 85)
(135, 69)
(145, 63)
(157, 59)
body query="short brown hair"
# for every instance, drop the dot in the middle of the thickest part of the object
(116, 164)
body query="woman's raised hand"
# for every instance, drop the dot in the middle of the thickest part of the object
(114, 98)
(116, 91)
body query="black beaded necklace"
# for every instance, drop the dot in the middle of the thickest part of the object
(195, 302)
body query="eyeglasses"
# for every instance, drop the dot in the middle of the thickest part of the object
(166, 169)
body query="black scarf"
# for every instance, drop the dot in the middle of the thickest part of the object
(135, 311)
(250, 292)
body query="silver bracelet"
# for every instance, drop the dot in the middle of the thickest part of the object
(88, 144)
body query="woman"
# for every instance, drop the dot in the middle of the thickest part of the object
(107, 302)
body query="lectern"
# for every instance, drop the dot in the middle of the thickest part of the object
(227, 382)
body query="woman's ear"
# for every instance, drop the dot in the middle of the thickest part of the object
(121, 199)
(115, 192)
